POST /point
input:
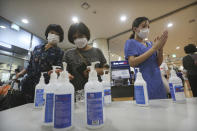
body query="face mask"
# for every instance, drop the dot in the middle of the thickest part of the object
(143, 33)
(53, 38)
(81, 42)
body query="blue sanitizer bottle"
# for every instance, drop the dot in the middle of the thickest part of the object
(176, 88)
(63, 103)
(39, 94)
(140, 90)
(171, 81)
(94, 112)
(106, 88)
(49, 100)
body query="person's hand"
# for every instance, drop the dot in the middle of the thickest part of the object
(165, 35)
(49, 45)
(86, 72)
(49, 72)
(70, 77)
(17, 76)
(99, 71)
(58, 71)
(159, 42)
(4, 90)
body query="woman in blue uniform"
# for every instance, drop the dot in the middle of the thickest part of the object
(147, 56)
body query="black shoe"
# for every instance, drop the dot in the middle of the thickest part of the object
(169, 95)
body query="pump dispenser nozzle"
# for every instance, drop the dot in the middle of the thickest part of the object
(64, 74)
(106, 75)
(139, 74)
(42, 77)
(173, 73)
(53, 74)
(93, 73)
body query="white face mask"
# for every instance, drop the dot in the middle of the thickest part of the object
(143, 33)
(81, 42)
(53, 38)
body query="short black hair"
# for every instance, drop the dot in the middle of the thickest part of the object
(78, 27)
(106, 66)
(56, 28)
(17, 70)
(190, 48)
(136, 23)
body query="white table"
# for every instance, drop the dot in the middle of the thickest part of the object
(161, 115)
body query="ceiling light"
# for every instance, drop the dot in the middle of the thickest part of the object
(5, 45)
(174, 55)
(15, 27)
(177, 47)
(123, 18)
(3, 27)
(6, 52)
(170, 24)
(25, 21)
(75, 19)
(146, 39)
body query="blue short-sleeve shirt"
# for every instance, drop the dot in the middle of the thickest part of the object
(149, 68)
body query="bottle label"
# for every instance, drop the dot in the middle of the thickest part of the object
(139, 95)
(39, 100)
(172, 92)
(62, 112)
(49, 108)
(179, 92)
(94, 108)
(179, 89)
(107, 92)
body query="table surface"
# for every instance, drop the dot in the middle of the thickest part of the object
(160, 115)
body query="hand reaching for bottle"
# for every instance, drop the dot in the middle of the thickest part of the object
(71, 77)
(86, 72)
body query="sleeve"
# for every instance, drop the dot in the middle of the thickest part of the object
(65, 57)
(102, 58)
(59, 59)
(29, 64)
(130, 49)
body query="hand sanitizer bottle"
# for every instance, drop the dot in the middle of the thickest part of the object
(176, 88)
(94, 112)
(39, 94)
(107, 88)
(140, 90)
(49, 99)
(63, 103)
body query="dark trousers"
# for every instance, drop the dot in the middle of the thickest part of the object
(12, 99)
(16, 98)
(193, 83)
